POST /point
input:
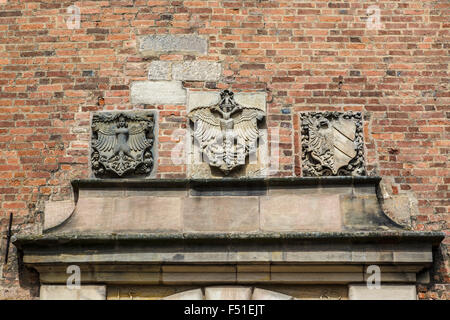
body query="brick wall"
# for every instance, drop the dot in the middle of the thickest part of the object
(306, 55)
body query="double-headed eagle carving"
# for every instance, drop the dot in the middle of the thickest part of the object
(121, 143)
(226, 132)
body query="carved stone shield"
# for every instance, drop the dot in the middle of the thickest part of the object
(332, 144)
(122, 143)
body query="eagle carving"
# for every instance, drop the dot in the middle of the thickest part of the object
(122, 143)
(227, 132)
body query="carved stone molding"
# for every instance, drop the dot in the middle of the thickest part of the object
(122, 144)
(227, 132)
(332, 144)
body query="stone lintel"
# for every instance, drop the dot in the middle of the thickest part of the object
(192, 274)
(62, 292)
(385, 292)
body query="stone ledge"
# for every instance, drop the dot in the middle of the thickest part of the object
(432, 237)
(229, 182)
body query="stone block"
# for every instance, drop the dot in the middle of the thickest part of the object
(170, 43)
(262, 294)
(89, 215)
(198, 277)
(160, 70)
(316, 268)
(362, 211)
(319, 256)
(400, 208)
(209, 98)
(300, 213)
(136, 214)
(196, 71)
(221, 214)
(157, 92)
(62, 292)
(56, 212)
(253, 268)
(414, 255)
(385, 292)
(195, 294)
(253, 277)
(228, 293)
(146, 214)
(198, 268)
(393, 276)
(316, 277)
(252, 100)
(202, 98)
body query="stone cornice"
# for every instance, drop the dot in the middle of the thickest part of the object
(67, 239)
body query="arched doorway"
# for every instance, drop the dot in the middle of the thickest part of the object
(229, 293)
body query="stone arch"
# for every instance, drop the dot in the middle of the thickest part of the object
(229, 293)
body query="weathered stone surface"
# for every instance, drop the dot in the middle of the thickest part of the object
(147, 214)
(202, 98)
(196, 71)
(300, 212)
(253, 277)
(90, 214)
(400, 208)
(362, 211)
(252, 100)
(61, 292)
(198, 277)
(209, 98)
(315, 268)
(312, 277)
(155, 214)
(385, 292)
(157, 92)
(138, 292)
(221, 214)
(195, 294)
(262, 294)
(228, 293)
(199, 268)
(160, 70)
(56, 212)
(394, 277)
(152, 44)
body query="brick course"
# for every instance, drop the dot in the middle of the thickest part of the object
(306, 55)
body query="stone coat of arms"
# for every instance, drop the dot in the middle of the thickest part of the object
(122, 143)
(332, 144)
(226, 132)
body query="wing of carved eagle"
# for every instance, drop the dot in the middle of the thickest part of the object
(207, 126)
(107, 138)
(315, 140)
(246, 127)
